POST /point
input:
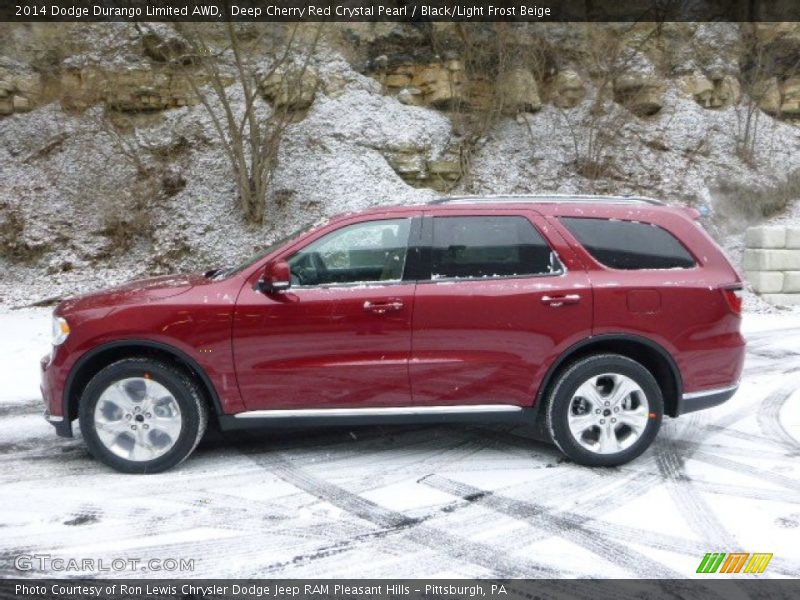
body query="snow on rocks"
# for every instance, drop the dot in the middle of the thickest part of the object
(70, 187)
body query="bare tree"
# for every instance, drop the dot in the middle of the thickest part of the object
(594, 133)
(764, 63)
(125, 211)
(229, 78)
(489, 52)
(121, 131)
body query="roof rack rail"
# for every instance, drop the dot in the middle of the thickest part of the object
(547, 198)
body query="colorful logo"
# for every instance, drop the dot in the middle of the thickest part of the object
(735, 562)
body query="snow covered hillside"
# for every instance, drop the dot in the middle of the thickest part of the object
(110, 168)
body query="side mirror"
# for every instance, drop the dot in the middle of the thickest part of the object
(276, 278)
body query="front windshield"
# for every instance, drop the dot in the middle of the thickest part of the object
(271, 248)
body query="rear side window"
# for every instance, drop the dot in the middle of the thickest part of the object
(629, 244)
(481, 247)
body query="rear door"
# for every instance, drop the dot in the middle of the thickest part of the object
(497, 301)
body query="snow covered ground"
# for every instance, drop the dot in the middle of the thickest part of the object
(455, 501)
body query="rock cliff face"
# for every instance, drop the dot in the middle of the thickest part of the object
(111, 165)
(18, 91)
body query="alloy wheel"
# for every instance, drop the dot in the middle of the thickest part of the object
(138, 419)
(608, 413)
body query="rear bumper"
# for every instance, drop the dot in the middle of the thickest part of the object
(704, 399)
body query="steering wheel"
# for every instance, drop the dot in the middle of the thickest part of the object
(308, 270)
(302, 273)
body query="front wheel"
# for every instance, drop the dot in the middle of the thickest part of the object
(140, 415)
(604, 410)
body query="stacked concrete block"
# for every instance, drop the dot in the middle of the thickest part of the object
(772, 262)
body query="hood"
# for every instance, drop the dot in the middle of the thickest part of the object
(138, 291)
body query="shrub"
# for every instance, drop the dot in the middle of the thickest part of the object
(758, 202)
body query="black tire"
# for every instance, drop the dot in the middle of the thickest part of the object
(559, 402)
(193, 413)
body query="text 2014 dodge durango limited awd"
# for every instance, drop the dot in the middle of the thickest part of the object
(596, 315)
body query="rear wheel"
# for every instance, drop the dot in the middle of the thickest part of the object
(604, 410)
(140, 415)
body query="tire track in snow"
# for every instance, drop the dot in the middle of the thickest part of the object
(588, 511)
(657, 541)
(736, 434)
(741, 451)
(740, 491)
(448, 455)
(742, 468)
(695, 510)
(640, 483)
(230, 524)
(486, 556)
(769, 415)
(692, 506)
(485, 524)
(557, 524)
(24, 407)
(585, 515)
(442, 453)
(182, 514)
(671, 462)
(349, 502)
(669, 543)
(245, 518)
(644, 488)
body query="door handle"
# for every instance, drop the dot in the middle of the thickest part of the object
(556, 301)
(380, 308)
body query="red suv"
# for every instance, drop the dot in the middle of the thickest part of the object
(599, 314)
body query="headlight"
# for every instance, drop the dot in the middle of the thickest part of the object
(60, 330)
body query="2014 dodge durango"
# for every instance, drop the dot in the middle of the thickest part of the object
(595, 316)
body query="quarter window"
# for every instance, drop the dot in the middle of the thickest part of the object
(373, 251)
(481, 247)
(629, 244)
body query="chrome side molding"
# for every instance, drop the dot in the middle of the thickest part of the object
(380, 411)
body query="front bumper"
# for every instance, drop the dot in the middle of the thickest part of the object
(704, 399)
(52, 400)
(62, 425)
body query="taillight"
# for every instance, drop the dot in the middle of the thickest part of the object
(733, 296)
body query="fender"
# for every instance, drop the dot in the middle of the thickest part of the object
(612, 337)
(139, 343)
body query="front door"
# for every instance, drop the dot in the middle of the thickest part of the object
(497, 306)
(340, 336)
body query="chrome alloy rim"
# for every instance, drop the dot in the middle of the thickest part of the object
(608, 413)
(137, 419)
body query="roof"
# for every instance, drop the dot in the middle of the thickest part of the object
(546, 199)
(545, 204)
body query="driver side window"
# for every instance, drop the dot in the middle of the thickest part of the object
(373, 251)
